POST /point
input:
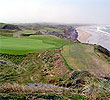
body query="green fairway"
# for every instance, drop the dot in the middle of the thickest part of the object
(77, 56)
(83, 57)
(12, 45)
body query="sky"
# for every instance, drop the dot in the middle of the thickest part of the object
(55, 11)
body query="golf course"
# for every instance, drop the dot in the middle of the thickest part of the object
(47, 62)
(11, 45)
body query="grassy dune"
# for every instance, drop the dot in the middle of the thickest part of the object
(40, 59)
(57, 67)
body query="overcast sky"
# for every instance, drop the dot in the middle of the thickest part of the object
(55, 11)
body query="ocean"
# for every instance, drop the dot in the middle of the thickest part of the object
(104, 29)
(100, 35)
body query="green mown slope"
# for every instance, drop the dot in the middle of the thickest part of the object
(84, 57)
(10, 45)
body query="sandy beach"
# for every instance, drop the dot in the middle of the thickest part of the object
(82, 35)
(91, 35)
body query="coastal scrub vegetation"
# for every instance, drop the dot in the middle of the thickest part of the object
(53, 65)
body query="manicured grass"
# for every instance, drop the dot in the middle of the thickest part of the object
(77, 57)
(83, 57)
(21, 46)
(28, 32)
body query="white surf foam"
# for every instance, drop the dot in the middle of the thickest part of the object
(98, 36)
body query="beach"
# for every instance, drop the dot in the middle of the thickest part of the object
(93, 35)
(82, 35)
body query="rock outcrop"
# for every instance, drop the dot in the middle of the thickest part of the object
(11, 27)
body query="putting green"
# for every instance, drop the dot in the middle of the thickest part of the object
(12, 45)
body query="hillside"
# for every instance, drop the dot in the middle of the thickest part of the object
(46, 67)
(85, 57)
(49, 67)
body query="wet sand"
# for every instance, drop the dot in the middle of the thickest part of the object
(82, 35)
(90, 35)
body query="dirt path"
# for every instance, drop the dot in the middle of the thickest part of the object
(46, 86)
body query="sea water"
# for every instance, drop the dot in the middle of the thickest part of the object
(105, 29)
(100, 35)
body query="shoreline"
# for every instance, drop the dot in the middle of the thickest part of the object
(90, 35)
(82, 35)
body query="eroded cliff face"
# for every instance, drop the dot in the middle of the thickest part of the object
(70, 33)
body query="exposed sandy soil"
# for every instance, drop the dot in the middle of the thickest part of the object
(82, 36)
